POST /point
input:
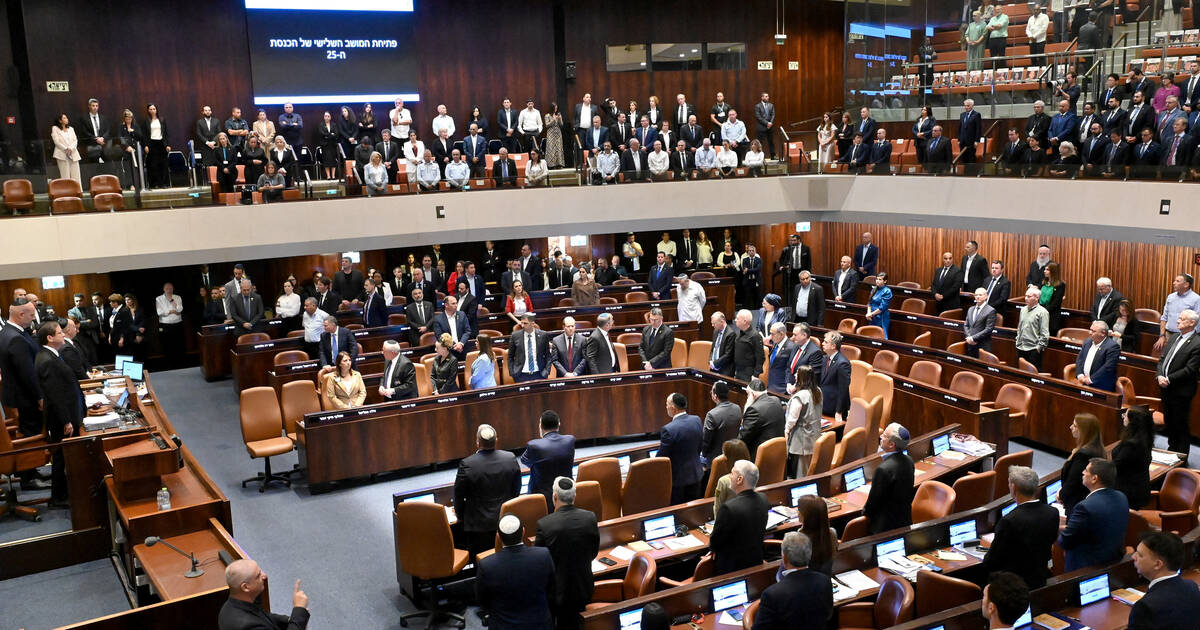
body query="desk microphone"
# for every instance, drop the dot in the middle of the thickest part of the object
(195, 571)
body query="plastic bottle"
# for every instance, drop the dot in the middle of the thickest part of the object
(164, 499)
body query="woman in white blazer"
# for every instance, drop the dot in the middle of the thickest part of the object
(414, 152)
(66, 148)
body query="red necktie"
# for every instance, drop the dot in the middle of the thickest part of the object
(570, 349)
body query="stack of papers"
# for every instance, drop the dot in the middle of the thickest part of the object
(865, 488)
(93, 399)
(640, 545)
(1046, 620)
(901, 566)
(841, 592)
(774, 519)
(1128, 595)
(727, 619)
(683, 542)
(857, 580)
(1166, 458)
(621, 553)
(108, 420)
(598, 566)
(969, 444)
(953, 456)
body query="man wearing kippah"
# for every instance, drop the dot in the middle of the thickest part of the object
(889, 505)
(571, 535)
(516, 584)
(484, 482)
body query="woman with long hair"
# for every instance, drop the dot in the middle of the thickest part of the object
(584, 289)
(803, 425)
(483, 368)
(1132, 456)
(347, 126)
(826, 137)
(734, 451)
(813, 514)
(554, 137)
(922, 131)
(287, 306)
(66, 148)
(1053, 289)
(158, 145)
(137, 328)
(479, 120)
(704, 251)
(518, 302)
(344, 387)
(328, 141)
(129, 134)
(366, 124)
(444, 375)
(845, 134)
(1124, 328)
(1085, 428)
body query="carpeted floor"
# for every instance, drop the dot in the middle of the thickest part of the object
(63, 596)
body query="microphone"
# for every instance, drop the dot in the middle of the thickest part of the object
(195, 571)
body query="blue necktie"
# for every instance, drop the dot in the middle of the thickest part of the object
(333, 346)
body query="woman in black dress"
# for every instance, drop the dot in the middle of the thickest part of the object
(136, 332)
(845, 134)
(348, 135)
(1085, 428)
(366, 124)
(254, 158)
(479, 120)
(328, 141)
(156, 146)
(445, 367)
(1132, 456)
(1053, 290)
(129, 134)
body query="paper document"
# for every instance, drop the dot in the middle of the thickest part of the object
(951, 556)
(621, 553)
(857, 580)
(727, 619)
(775, 518)
(1165, 458)
(640, 545)
(107, 418)
(953, 455)
(1128, 595)
(841, 592)
(865, 488)
(598, 566)
(92, 399)
(683, 542)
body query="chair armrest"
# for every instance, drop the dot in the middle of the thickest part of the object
(26, 442)
(1153, 504)
(609, 591)
(857, 615)
(1149, 401)
(1179, 522)
(669, 583)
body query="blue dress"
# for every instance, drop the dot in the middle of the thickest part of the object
(483, 373)
(881, 299)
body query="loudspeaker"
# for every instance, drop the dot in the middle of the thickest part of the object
(570, 71)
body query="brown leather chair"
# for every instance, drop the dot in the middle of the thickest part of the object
(852, 353)
(289, 356)
(622, 355)
(858, 527)
(1137, 526)
(1068, 373)
(913, 305)
(974, 490)
(1017, 398)
(717, 468)
(295, 333)
(869, 280)
(254, 337)
(527, 507)
(959, 348)
(101, 184)
(750, 615)
(923, 340)
(698, 354)
(822, 458)
(886, 360)
(64, 187)
(589, 497)
(1141, 314)
(108, 202)
(968, 384)
(909, 284)
(425, 550)
(605, 471)
(566, 302)
(858, 377)
(424, 385)
(487, 332)
(637, 296)
(354, 327)
(847, 325)
(11, 464)
(954, 313)
(1026, 366)
(859, 415)
(262, 433)
(679, 354)
(639, 580)
(647, 486)
(1077, 335)
(934, 499)
(936, 592)
(297, 399)
(18, 195)
(880, 385)
(623, 281)
(608, 300)
(67, 205)
(871, 332)
(927, 372)
(1173, 508)
(771, 459)
(703, 275)
(396, 319)
(852, 446)
(704, 570)
(1129, 397)
(893, 606)
(427, 339)
(629, 338)
(1022, 458)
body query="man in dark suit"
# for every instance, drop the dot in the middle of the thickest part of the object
(571, 535)
(475, 150)
(374, 309)
(1096, 365)
(660, 277)
(529, 352)
(620, 133)
(646, 133)
(721, 423)
(763, 419)
(21, 390)
(506, 126)
(605, 274)
(974, 266)
(737, 534)
(845, 281)
(947, 282)
(95, 133)
(835, 377)
(548, 457)
(504, 170)
(1014, 155)
(857, 156)
(1104, 306)
(1177, 148)
(657, 342)
(450, 321)
(1115, 117)
(1094, 149)
(485, 480)
(246, 583)
(881, 154)
(634, 164)
(764, 124)
(970, 132)
(1024, 537)
(997, 285)
(1095, 531)
(515, 272)
(686, 247)
(207, 128)
(419, 281)
(1037, 125)
(866, 124)
(1116, 155)
(720, 359)
(979, 322)
(683, 111)
(442, 148)
(680, 442)
(808, 352)
(531, 265)
(692, 134)
(419, 315)
(793, 259)
(682, 162)
(334, 340)
(1176, 374)
(216, 311)
(399, 381)
(599, 352)
(1172, 602)
(802, 598)
(566, 350)
(808, 301)
(63, 411)
(889, 504)
(516, 584)
(75, 353)
(492, 263)
(327, 300)
(247, 311)
(347, 280)
(866, 256)
(747, 348)
(938, 152)
(1141, 116)
(779, 358)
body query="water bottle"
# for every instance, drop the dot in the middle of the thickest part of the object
(164, 499)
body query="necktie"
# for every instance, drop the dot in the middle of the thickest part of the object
(367, 308)
(796, 358)
(1171, 157)
(1112, 151)
(96, 123)
(716, 350)
(991, 286)
(863, 126)
(530, 363)
(943, 276)
(680, 117)
(653, 332)
(570, 351)
(1171, 356)
(796, 257)
(933, 144)
(333, 352)
(246, 301)
(1100, 306)
(774, 351)
(504, 168)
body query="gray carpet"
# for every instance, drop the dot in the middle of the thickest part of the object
(63, 596)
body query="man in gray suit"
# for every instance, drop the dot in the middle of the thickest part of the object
(764, 124)
(246, 308)
(721, 423)
(979, 324)
(567, 350)
(845, 281)
(234, 286)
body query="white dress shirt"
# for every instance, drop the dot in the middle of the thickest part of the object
(727, 159)
(314, 325)
(659, 161)
(440, 122)
(754, 158)
(163, 306)
(287, 305)
(667, 247)
(400, 130)
(691, 302)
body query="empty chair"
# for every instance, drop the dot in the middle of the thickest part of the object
(703, 275)
(1026, 366)
(566, 302)
(639, 580)
(1173, 508)
(698, 354)
(637, 296)
(886, 360)
(1016, 398)
(771, 459)
(425, 550)
(255, 337)
(424, 386)
(858, 376)
(64, 187)
(354, 326)
(822, 457)
(704, 570)
(954, 313)
(871, 332)
(988, 357)
(11, 464)
(923, 340)
(624, 281)
(629, 338)
(1000, 487)
(1074, 334)
(880, 385)
(67, 205)
(853, 446)
(606, 471)
(858, 527)
(608, 300)
(679, 354)
(527, 507)
(974, 490)
(968, 384)
(262, 433)
(847, 325)
(289, 356)
(1141, 314)
(396, 319)
(589, 497)
(959, 348)
(936, 592)
(647, 486)
(718, 467)
(934, 499)
(297, 399)
(892, 606)
(909, 284)
(108, 202)
(1137, 526)
(913, 305)
(1068, 373)
(426, 339)
(851, 353)
(859, 415)
(926, 372)
(622, 356)
(18, 195)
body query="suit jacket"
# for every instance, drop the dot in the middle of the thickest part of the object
(938, 155)
(685, 251)
(656, 352)
(881, 156)
(1146, 154)
(1104, 365)
(329, 302)
(970, 129)
(1139, 119)
(835, 385)
(571, 535)
(849, 285)
(857, 155)
(516, 353)
(214, 312)
(721, 424)
(948, 284)
(241, 316)
(1172, 604)
(478, 151)
(889, 505)
(441, 151)
(1094, 150)
(1185, 366)
(559, 356)
(498, 172)
(999, 294)
(787, 258)
(462, 327)
(517, 604)
(680, 442)
(506, 281)
(533, 269)
(866, 128)
(76, 359)
(485, 480)
(646, 136)
(428, 291)
(659, 280)
(762, 320)
(403, 378)
(737, 535)
(682, 163)
(978, 271)
(810, 354)
(802, 599)
(238, 615)
(1183, 153)
(17, 353)
(1062, 126)
(418, 314)
(981, 326)
(1037, 125)
(724, 345)
(345, 343)
(375, 311)
(619, 135)
(747, 354)
(777, 369)
(547, 458)
(505, 123)
(693, 137)
(1115, 119)
(762, 421)
(1132, 459)
(1109, 314)
(60, 390)
(1095, 531)
(629, 168)
(88, 135)
(1022, 543)
(816, 304)
(869, 260)
(596, 354)
(1014, 155)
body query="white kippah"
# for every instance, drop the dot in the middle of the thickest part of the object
(487, 433)
(509, 524)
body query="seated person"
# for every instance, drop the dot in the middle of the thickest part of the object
(374, 176)
(608, 164)
(682, 162)
(755, 158)
(1067, 164)
(457, 171)
(536, 172)
(428, 173)
(660, 161)
(634, 165)
(727, 159)
(362, 157)
(857, 155)
(343, 388)
(271, 184)
(706, 161)
(504, 169)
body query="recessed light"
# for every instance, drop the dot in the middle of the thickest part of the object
(643, 63)
(680, 54)
(695, 50)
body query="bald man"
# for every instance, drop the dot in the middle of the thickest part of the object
(246, 582)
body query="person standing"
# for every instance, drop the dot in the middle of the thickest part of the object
(720, 424)
(747, 347)
(516, 584)
(63, 406)
(548, 457)
(66, 148)
(763, 418)
(889, 504)
(680, 442)
(1024, 536)
(764, 123)
(802, 599)
(741, 522)
(571, 535)
(978, 324)
(1176, 375)
(1033, 329)
(835, 377)
(1095, 531)
(169, 308)
(485, 480)
(803, 420)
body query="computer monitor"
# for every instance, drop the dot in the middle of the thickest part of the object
(661, 527)
(133, 370)
(652, 453)
(962, 532)
(941, 443)
(854, 479)
(525, 484)
(575, 471)
(630, 619)
(1093, 589)
(889, 548)
(802, 490)
(729, 596)
(1052, 491)
(119, 361)
(1008, 508)
(420, 498)
(1025, 619)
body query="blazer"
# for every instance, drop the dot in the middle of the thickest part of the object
(763, 321)
(214, 312)
(978, 271)
(866, 128)
(590, 142)
(937, 154)
(659, 280)
(517, 604)
(328, 303)
(1132, 459)
(1109, 314)
(418, 314)
(881, 155)
(403, 378)
(498, 172)
(1062, 127)
(646, 136)
(1104, 365)
(866, 256)
(810, 354)
(656, 352)
(1095, 531)
(763, 420)
(856, 155)
(516, 353)
(723, 342)
(547, 458)
(948, 284)
(849, 285)
(17, 353)
(87, 135)
(345, 343)
(1073, 491)
(1185, 366)
(999, 294)
(1022, 542)
(1172, 604)
(619, 135)
(462, 328)
(120, 330)
(479, 150)
(680, 442)
(444, 375)
(375, 312)
(568, 362)
(341, 396)
(835, 385)
(533, 269)
(506, 281)
(485, 480)
(981, 326)
(747, 354)
(596, 354)
(889, 505)
(162, 122)
(737, 534)
(237, 615)
(75, 357)
(970, 129)
(571, 535)
(240, 315)
(778, 367)
(692, 136)
(629, 168)
(1139, 119)
(802, 599)
(60, 390)
(1037, 125)
(721, 423)
(816, 304)
(1115, 119)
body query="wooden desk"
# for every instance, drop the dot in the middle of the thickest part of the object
(165, 568)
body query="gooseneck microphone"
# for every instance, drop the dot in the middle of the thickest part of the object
(195, 571)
